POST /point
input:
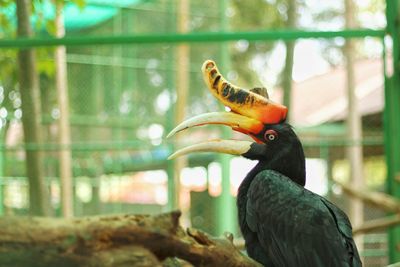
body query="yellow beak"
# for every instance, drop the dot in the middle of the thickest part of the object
(233, 147)
(237, 122)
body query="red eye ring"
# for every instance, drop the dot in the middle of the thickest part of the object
(270, 135)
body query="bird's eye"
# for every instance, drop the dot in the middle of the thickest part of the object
(270, 135)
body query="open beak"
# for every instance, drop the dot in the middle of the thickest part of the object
(250, 112)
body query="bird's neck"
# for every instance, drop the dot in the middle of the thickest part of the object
(289, 162)
(244, 186)
(293, 168)
(241, 199)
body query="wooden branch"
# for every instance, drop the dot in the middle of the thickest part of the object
(125, 256)
(377, 225)
(377, 199)
(124, 240)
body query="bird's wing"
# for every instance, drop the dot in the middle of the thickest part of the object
(344, 226)
(294, 226)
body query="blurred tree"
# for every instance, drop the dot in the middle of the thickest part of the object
(254, 15)
(11, 100)
(64, 131)
(11, 90)
(9, 95)
(31, 114)
(354, 124)
(369, 14)
(271, 15)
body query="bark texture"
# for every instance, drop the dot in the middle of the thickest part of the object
(124, 240)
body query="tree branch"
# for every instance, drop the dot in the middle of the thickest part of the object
(377, 199)
(111, 241)
(377, 225)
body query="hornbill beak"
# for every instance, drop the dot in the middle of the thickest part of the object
(250, 111)
(233, 147)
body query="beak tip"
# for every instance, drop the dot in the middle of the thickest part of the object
(176, 130)
(173, 156)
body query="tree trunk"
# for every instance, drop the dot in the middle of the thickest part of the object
(64, 131)
(30, 96)
(355, 151)
(288, 69)
(182, 87)
(124, 240)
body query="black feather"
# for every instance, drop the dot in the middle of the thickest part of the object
(288, 225)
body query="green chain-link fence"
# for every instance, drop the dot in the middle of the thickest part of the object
(122, 96)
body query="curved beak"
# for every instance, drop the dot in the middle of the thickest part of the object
(233, 147)
(237, 122)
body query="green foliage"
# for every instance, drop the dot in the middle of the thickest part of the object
(118, 87)
(80, 3)
(5, 3)
(107, 89)
(8, 60)
(373, 6)
(252, 16)
(334, 15)
(8, 78)
(375, 172)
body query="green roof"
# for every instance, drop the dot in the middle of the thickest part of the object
(75, 17)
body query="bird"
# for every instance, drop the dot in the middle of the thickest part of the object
(282, 223)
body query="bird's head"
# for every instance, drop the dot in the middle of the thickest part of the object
(276, 145)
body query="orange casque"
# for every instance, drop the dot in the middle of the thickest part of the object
(240, 100)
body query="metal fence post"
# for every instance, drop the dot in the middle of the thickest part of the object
(392, 123)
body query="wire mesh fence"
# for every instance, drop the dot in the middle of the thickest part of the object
(122, 100)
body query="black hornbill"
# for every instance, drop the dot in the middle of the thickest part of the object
(283, 223)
